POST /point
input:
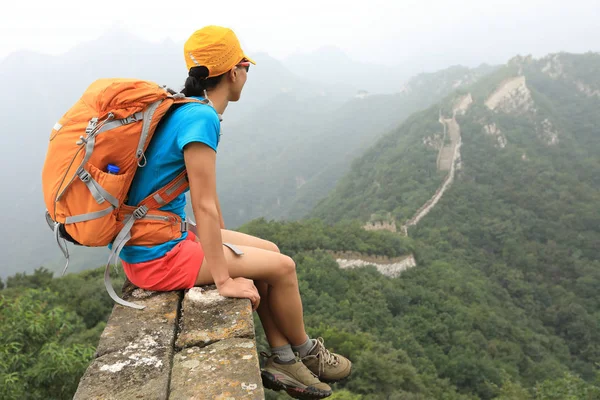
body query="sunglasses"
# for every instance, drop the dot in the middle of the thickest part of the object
(245, 65)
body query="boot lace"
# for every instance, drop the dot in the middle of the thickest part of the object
(325, 356)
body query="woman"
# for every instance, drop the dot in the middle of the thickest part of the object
(188, 138)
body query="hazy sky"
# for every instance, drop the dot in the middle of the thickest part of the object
(377, 31)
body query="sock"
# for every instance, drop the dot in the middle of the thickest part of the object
(284, 353)
(304, 348)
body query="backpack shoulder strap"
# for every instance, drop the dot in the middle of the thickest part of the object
(180, 98)
(167, 193)
(180, 183)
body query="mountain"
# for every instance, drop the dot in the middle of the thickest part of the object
(293, 156)
(544, 101)
(498, 185)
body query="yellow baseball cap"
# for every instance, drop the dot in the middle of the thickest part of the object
(214, 47)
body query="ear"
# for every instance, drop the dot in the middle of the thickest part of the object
(233, 74)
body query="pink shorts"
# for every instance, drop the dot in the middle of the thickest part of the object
(176, 270)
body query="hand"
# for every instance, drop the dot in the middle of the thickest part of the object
(240, 288)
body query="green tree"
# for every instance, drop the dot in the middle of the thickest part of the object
(35, 362)
(513, 391)
(569, 387)
(40, 278)
(345, 395)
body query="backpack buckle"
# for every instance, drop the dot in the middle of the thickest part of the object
(91, 125)
(84, 175)
(132, 118)
(140, 212)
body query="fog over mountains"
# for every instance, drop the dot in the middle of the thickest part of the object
(299, 125)
(288, 134)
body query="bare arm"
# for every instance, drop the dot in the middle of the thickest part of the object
(200, 163)
(220, 213)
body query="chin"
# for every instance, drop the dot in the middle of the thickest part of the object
(235, 95)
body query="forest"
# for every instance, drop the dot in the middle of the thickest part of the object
(503, 303)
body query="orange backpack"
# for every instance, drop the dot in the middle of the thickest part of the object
(112, 123)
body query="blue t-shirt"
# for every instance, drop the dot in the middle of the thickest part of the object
(187, 123)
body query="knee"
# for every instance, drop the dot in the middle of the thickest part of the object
(288, 266)
(272, 247)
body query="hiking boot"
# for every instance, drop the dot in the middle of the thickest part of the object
(328, 366)
(294, 378)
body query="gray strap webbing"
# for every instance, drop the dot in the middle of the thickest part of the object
(50, 221)
(234, 248)
(189, 224)
(185, 226)
(124, 235)
(63, 247)
(117, 123)
(109, 197)
(125, 231)
(89, 216)
(94, 190)
(159, 199)
(107, 283)
(89, 148)
(90, 141)
(148, 114)
(118, 244)
(176, 186)
(99, 193)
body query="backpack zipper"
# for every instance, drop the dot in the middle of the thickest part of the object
(157, 217)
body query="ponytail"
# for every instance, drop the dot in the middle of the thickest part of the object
(198, 82)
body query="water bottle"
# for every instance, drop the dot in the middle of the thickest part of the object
(113, 169)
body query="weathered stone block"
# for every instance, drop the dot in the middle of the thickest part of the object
(135, 350)
(139, 371)
(228, 369)
(208, 317)
(128, 326)
(135, 356)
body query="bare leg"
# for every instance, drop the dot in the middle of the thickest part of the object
(272, 332)
(280, 309)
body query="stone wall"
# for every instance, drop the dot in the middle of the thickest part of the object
(393, 270)
(374, 259)
(381, 226)
(184, 345)
(454, 162)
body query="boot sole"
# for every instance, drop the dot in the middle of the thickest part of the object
(270, 381)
